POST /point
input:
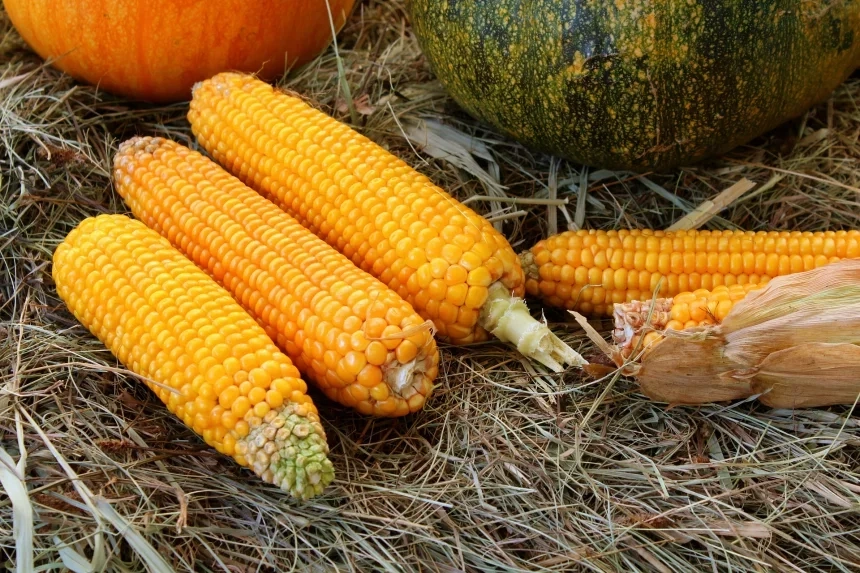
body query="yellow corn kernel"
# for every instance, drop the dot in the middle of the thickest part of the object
(651, 338)
(391, 220)
(171, 324)
(301, 290)
(683, 260)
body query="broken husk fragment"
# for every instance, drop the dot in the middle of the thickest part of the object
(793, 343)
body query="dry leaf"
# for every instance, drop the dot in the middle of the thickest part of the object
(810, 375)
(682, 370)
(443, 141)
(782, 295)
(361, 104)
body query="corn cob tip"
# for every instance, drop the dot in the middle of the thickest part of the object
(415, 376)
(288, 448)
(507, 317)
(683, 311)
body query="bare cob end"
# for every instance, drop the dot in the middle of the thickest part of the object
(647, 321)
(630, 319)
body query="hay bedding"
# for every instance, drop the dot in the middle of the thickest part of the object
(508, 468)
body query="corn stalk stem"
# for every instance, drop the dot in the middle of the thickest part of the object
(507, 318)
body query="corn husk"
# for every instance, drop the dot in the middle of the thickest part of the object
(793, 343)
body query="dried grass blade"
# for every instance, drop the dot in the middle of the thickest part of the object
(716, 454)
(581, 200)
(76, 562)
(821, 489)
(651, 559)
(552, 188)
(12, 480)
(154, 561)
(667, 195)
(99, 556)
(341, 71)
(749, 530)
(14, 80)
(594, 336)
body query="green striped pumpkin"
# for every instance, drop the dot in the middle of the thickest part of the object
(638, 85)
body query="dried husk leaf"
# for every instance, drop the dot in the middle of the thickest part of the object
(826, 317)
(783, 295)
(809, 375)
(821, 305)
(691, 370)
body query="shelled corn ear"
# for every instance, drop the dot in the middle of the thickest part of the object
(207, 360)
(589, 271)
(390, 220)
(793, 342)
(358, 340)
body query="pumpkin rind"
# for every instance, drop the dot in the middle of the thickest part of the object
(156, 50)
(642, 84)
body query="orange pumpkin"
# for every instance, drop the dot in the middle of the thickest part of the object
(155, 50)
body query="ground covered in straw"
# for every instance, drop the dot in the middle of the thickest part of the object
(507, 468)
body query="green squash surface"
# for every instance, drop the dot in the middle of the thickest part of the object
(640, 85)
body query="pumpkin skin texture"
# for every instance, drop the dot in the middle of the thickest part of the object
(155, 50)
(640, 85)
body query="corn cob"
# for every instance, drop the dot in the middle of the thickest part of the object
(684, 311)
(793, 342)
(390, 220)
(590, 271)
(360, 342)
(207, 360)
